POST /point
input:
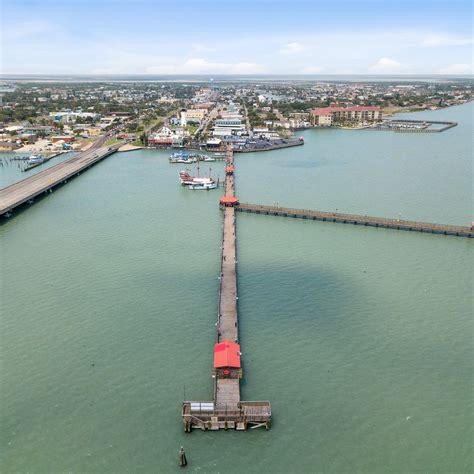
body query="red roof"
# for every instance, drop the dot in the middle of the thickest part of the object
(357, 108)
(227, 354)
(229, 200)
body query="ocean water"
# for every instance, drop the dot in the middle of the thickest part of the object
(361, 338)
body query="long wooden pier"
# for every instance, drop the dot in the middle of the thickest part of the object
(227, 410)
(45, 181)
(398, 224)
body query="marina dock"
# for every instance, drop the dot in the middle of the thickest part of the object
(398, 224)
(45, 181)
(227, 411)
(46, 159)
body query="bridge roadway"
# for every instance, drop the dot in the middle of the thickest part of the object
(399, 224)
(27, 189)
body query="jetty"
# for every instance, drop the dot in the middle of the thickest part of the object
(227, 410)
(26, 190)
(354, 219)
(413, 126)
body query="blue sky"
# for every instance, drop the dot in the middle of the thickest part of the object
(237, 37)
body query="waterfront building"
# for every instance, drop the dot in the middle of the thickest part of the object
(167, 137)
(327, 116)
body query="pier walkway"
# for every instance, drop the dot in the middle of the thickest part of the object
(227, 410)
(398, 224)
(26, 190)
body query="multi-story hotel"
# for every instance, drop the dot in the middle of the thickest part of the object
(325, 117)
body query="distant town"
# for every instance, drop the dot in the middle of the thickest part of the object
(44, 117)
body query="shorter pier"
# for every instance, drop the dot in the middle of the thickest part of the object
(398, 224)
(27, 189)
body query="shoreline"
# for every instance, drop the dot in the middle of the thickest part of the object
(402, 110)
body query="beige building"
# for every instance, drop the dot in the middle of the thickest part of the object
(325, 117)
(195, 114)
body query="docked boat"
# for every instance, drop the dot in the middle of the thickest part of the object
(207, 158)
(203, 186)
(182, 157)
(35, 159)
(186, 179)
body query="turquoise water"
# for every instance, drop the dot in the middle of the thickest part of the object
(361, 338)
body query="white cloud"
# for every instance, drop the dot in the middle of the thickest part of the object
(292, 48)
(457, 69)
(202, 66)
(445, 40)
(386, 66)
(312, 70)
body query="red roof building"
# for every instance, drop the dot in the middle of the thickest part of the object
(229, 201)
(227, 354)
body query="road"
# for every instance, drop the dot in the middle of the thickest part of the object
(28, 188)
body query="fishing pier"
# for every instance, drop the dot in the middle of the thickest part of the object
(398, 224)
(26, 190)
(227, 410)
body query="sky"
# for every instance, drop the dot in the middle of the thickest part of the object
(236, 37)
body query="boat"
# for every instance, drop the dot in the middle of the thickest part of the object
(186, 179)
(35, 159)
(208, 158)
(205, 186)
(182, 157)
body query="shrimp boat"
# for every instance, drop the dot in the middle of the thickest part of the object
(196, 182)
(187, 180)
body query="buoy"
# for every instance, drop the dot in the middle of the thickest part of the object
(182, 458)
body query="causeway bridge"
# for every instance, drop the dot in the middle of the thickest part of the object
(227, 410)
(337, 217)
(45, 181)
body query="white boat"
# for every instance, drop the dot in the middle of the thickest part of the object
(205, 186)
(182, 157)
(186, 179)
(35, 159)
(208, 158)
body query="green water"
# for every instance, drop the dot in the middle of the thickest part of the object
(361, 338)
